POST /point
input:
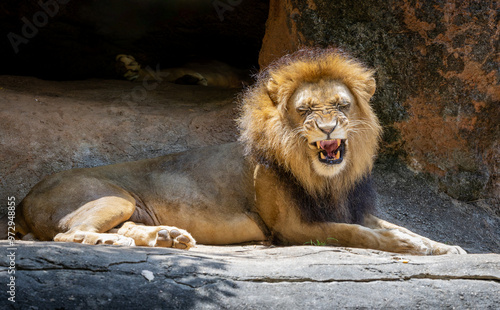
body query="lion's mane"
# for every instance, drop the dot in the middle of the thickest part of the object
(271, 140)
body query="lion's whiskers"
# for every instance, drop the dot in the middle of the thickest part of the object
(361, 126)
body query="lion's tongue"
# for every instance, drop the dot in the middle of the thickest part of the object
(330, 146)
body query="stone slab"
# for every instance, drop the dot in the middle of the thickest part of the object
(53, 275)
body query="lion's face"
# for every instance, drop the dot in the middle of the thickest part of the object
(310, 114)
(321, 111)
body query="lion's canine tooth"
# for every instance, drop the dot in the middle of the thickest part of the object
(337, 155)
(318, 144)
(338, 142)
(322, 155)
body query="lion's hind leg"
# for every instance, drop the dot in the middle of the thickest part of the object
(95, 222)
(89, 223)
(159, 236)
(89, 237)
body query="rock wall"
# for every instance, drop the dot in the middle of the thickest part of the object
(48, 126)
(438, 78)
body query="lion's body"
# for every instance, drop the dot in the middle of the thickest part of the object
(208, 193)
(301, 172)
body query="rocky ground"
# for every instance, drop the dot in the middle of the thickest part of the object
(51, 126)
(74, 276)
(407, 199)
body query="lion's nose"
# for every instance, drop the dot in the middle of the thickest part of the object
(327, 128)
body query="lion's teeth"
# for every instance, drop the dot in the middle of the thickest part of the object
(322, 155)
(338, 141)
(337, 155)
(318, 144)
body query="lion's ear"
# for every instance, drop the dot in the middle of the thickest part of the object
(371, 85)
(272, 90)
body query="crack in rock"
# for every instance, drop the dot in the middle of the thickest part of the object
(404, 278)
(55, 265)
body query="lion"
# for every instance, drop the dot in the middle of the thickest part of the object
(299, 172)
(205, 73)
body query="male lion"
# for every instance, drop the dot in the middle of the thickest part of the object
(301, 172)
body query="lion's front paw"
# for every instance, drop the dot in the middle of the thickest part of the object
(440, 248)
(158, 236)
(127, 67)
(393, 240)
(397, 241)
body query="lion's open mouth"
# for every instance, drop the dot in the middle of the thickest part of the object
(331, 152)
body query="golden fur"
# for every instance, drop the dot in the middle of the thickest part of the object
(266, 133)
(309, 137)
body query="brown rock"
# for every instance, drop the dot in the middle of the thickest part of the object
(439, 88)
(281, 33)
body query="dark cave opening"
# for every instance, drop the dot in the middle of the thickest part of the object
(66, 40)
